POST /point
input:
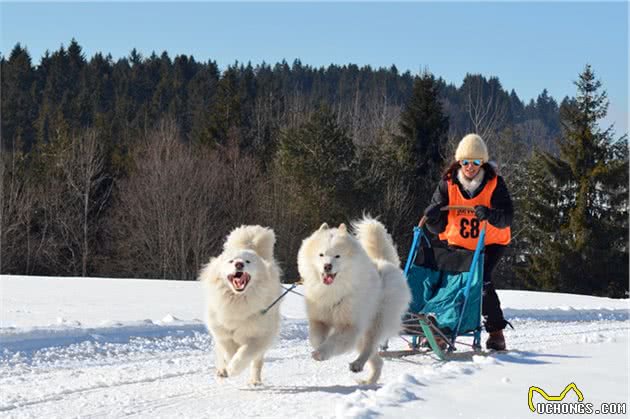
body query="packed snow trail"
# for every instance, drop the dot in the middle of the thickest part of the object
(164, 367)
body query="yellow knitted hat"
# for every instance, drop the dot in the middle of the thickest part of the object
(472, 147)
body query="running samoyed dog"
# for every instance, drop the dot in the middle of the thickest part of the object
(242, 282)
(356, 294)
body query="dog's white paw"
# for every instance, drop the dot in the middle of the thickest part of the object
(255, 382)
(222, 372)
(365, 382)
(322, 353)
(235, 367)
(356, 366)
(319, 355)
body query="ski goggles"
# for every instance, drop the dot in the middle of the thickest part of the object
(466, 162)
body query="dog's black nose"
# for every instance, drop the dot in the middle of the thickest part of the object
(328, 267)
(239, 265)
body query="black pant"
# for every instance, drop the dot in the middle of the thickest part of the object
(491, 306)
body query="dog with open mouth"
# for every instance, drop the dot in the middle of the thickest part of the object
(241, 283)
(356, 293)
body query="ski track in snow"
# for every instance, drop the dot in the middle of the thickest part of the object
(168, 370)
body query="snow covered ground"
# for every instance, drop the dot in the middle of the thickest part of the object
(75, 347)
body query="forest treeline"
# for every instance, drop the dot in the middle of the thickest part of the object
(140, 166)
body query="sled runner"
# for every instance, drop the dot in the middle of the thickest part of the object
(446, 286)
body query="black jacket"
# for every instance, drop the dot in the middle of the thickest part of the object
(501, 203)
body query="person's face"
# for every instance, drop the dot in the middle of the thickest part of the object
(470, 167)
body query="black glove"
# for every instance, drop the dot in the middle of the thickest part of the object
(482, 212)
(433, 214)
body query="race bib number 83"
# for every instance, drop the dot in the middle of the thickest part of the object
(469, 228)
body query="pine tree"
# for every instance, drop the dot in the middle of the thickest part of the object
(547, 112)
(163, 92)
(227, 106)
(517, 108)
(317, 159)
(424, 129)
(201, 96)
(18, 105)
(100, 90)
(578, 202)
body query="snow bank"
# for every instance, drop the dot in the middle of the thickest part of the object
(119, 347)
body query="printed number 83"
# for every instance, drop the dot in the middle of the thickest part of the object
(469, 228)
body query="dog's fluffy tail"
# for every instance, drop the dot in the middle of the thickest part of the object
(257, 238)
(375, 239)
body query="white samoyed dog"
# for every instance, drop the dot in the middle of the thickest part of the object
(356, 293)
(241, 283)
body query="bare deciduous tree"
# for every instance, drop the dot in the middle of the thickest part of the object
(16, 209)
(49, 219)
(486, 109)
(180, 202)
(536, 135)
(82, 163)
(285, 218)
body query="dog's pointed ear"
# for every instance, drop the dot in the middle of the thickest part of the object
(323, 227)
(343, 228)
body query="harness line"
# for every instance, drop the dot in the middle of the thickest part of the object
(263, 312)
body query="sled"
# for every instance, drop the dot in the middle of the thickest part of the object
(446, 287)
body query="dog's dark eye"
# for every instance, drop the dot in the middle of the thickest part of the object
(246, 261)
(230, 261)
(337, 256)
(321, 255)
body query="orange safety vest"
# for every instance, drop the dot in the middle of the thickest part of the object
(463, 227)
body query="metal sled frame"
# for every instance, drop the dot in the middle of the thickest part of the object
(424, 325)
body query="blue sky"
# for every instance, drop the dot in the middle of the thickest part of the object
(529, 46)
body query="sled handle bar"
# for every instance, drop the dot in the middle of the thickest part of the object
(423, 219)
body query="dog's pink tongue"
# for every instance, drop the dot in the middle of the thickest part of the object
(240, 281)
(328, 279)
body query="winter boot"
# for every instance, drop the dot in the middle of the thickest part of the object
(424, 343)
(496, 341)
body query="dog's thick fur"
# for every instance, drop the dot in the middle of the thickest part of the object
(242, 333)
(356, 293)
